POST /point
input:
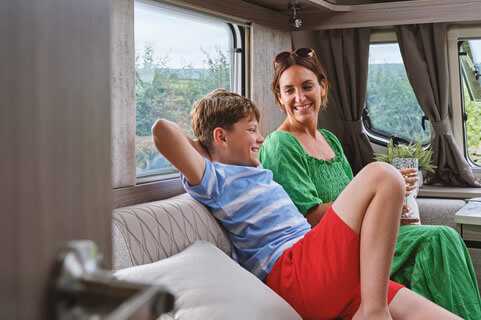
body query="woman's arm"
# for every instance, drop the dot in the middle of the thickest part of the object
(315, 214)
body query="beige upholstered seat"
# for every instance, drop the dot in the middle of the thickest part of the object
(152, 231)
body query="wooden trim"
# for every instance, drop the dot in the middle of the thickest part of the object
(147, 192)
(326, 5)
(421, 12)
(323, 4)
(238, 10)
(472, 244)
(448, 192)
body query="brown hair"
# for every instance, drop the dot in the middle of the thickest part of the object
(220, 109)
(310, 63)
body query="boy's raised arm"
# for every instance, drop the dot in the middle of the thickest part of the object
(175, 146)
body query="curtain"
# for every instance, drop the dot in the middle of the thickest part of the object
(344, 53)
(424, 51)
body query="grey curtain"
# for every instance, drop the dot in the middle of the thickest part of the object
(345, 55)
(424, 51)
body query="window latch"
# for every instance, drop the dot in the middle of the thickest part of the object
(423, 121)
(366, 118)
(465, 116)
(398, 140)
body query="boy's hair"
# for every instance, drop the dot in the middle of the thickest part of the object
(220, 109)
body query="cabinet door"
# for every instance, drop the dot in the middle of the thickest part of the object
(55, 180)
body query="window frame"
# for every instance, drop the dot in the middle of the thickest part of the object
(454, 35)
(156, 187)
(462, 78)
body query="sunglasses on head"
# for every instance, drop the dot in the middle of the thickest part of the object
(284, 55)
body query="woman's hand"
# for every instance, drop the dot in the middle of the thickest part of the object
(410, 178)
(406, 213)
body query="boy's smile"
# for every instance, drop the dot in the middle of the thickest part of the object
(243, 143)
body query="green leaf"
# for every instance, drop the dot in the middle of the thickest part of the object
(417, 151)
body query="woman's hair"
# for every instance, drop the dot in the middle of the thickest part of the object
(220, 109)
(310, 63)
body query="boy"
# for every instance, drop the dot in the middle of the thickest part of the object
(320, 272)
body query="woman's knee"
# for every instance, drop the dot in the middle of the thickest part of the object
(447, 234)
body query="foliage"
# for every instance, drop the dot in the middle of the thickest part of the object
(473, 127)
(392, 105)
(163, 92)
(408, 151)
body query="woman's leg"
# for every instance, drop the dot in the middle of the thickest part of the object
(411, 306)
(434, 262)
(371, 206)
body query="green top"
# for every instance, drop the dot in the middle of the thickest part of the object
(308, 181)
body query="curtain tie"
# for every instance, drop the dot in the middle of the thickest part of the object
(353, 127)
(441, 127)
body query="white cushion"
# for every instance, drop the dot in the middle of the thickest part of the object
(208, 284)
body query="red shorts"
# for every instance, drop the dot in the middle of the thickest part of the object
(319, 276)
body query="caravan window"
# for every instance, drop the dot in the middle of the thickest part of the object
(180, 57)
(391, 106)
(470, 73)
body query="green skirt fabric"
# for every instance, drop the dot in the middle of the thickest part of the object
(434, 262)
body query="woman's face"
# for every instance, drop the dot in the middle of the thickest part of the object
(301, 93)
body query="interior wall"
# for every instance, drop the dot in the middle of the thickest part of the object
(54, 141)
(123, 94)
(330, 118)
(266, 43)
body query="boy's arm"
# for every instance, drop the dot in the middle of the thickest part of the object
(177, 148)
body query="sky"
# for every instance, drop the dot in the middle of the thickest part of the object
(385, 53)
(476, 50)
(178, 34)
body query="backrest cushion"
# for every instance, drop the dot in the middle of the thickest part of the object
(152, 231)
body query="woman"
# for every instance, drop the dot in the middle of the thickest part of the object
(311, 166)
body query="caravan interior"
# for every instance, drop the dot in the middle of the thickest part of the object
(84, 81)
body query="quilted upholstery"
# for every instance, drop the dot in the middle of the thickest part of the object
(152, 231)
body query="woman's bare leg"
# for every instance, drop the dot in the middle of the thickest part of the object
(409, 305)
(371, 205)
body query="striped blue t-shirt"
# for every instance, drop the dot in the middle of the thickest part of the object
(257, 213)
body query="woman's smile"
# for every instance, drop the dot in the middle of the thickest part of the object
(303, 108)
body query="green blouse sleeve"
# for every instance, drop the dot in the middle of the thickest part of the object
(284, 156)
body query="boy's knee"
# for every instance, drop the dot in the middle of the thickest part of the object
(385, 177)
(382, 173)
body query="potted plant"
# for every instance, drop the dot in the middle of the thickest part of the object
(411, 150)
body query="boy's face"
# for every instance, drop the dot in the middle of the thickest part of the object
(243, 143)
